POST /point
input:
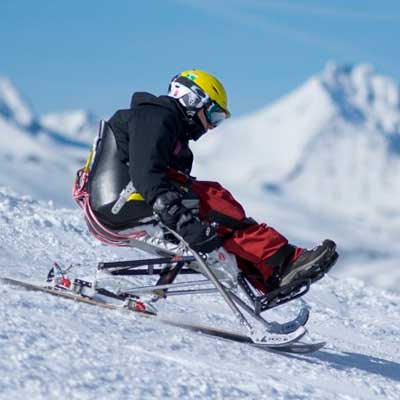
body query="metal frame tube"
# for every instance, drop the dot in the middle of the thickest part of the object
(121, 265)
(192, 291)
(221, 289)
(246, 307)
(144, 289)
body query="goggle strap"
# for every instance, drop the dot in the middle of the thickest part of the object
(195, 88)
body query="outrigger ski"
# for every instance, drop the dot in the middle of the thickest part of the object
(273, 342)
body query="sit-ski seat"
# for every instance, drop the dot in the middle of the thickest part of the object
(97, 188)
(108, 177)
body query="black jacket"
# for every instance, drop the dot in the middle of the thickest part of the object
(151, 136)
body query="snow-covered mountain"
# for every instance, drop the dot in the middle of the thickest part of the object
(38, 160)
(335, 141)
(354, 160)
(52, 348)
(76, 124)
(13, 107)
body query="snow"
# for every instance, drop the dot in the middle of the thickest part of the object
(55, 348)
(33, 165)
(320, 162)
(12, 105)
(76, 124)
(333, 141)
(36, 160)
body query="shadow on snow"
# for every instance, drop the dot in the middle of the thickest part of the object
(347, 360)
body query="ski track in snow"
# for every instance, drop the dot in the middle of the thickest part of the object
(51, 348)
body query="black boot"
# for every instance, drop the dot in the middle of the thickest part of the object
(311, 264)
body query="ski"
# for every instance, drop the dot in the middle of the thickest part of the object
(78, 286)
(286, 343)
(273, 327)
(290, 326)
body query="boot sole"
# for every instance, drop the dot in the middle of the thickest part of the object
(316, 269)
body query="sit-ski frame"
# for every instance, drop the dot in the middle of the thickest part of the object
(180, 265)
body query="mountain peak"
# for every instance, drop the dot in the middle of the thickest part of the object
(334, 71)
(362, 96)
(12, 105)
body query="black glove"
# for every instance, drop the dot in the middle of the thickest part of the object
(199, 235)
(168, 206)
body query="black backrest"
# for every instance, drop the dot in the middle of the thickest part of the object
(108, 175)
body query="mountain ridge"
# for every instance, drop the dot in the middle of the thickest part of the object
(342, 122)
(38, 160)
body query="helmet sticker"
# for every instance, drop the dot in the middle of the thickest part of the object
(191, 76)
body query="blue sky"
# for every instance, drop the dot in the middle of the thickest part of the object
(94, 54)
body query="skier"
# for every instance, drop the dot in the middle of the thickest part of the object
(152, 139)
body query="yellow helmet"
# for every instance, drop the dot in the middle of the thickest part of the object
(210, 84)
(211, 90)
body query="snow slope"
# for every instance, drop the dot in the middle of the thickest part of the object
(52, 348)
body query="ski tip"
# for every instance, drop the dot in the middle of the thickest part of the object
(301, 348)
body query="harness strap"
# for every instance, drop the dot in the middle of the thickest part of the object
(123, 198)
(229, 222)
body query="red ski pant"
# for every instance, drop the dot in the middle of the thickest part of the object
(252, 243)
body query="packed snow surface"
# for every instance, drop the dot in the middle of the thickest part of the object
(52, 348)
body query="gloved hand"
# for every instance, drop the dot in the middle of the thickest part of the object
(200, 236)
(168, 206)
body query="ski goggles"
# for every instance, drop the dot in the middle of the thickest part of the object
(215, 114)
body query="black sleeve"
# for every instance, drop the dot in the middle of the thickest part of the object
(152, 140)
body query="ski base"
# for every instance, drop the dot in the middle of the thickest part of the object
(285, 343)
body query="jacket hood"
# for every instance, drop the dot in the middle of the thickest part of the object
(142, 98)
(193, 127)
